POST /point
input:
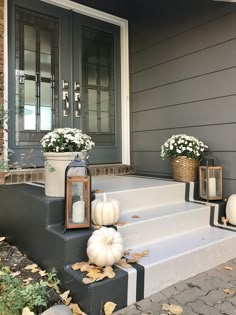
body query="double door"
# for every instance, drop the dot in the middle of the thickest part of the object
(64, 71)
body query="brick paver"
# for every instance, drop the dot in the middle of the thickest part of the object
(202, 294)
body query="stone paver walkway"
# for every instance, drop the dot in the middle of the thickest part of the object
(202, 294)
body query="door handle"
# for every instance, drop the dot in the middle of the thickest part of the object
(65, 98)
(66, 103)
(78, 105)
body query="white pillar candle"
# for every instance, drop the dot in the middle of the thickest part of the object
(212, 187)
(78, 211)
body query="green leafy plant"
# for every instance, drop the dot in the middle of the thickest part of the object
(15, 295)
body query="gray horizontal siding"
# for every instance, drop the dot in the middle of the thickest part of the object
(183, 74)
(207, 86)
(194, 114)
(218, 137)
(185, 43)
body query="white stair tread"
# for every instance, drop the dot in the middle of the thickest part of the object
(137, 216)
(121, 183)
(167, 249)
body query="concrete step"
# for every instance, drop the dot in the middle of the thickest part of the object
(177, 258)
(136, 193)
(149, 225)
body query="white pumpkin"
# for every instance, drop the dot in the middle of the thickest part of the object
(231, 209)
(105, 247)
(106, 211)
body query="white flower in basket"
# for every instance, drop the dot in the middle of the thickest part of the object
(185, 152)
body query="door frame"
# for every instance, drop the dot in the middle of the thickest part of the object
(124, 53)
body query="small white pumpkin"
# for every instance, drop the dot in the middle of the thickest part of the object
(231, 209)
(105, 247)
(106, 211)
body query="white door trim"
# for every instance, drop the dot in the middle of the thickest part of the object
(124, 44)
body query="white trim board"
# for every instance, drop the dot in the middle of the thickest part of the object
(124, 44)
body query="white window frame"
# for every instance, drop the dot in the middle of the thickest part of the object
(124, 40)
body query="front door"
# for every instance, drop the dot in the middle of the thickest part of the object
(64, 71)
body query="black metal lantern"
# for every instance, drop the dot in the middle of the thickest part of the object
(77, 194)
(210, 179)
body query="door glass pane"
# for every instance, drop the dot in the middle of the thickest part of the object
(46, 94)
(29, 38)
(29, 117)
(37, 76)
(30, 62)
(92, 118)
(104, 100)
(45, 118)
(45, 42)
(30, 92)
(98, 85)
(92, 99)
(45, 65)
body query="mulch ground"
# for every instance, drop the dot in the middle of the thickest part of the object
(12, 258)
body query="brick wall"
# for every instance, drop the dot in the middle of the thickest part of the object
(1, 65)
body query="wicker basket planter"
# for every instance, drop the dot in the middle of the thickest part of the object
(184, 169)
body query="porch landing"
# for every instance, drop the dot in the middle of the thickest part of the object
(183, 237)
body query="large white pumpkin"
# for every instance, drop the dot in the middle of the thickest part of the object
(231, 209)
(105, 247)
(106, 211)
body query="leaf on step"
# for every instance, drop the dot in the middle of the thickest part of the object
(42, 273)
(127, 252)
(26, 311)
(27, 281)
(33, 268)
(109, 272)
(176, 309)
(76, 309)
(123, 263)
(229, 291)
(80, 265)
(2, 238)
(137, 256)
(87, 280)
(135, 216)
(228, 268)
(120, 223)
(165, 307)
(109, 308)
(224, 220)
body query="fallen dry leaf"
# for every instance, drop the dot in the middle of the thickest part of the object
(27, 281)
(224, 220)
(15, 274)
(76, 309)
(26, 311)
(137, 256)
(80, 265)
(228, 268)
(2, 238)
(229, 291)
(109, 308)
(123, 263)
(135, 216)
(42, 273)
(176, 309)
(33, 268)
(109, 272)
(65, 295)
(121, 223)
(165, 307)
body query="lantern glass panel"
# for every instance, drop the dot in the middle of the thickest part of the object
(203, 181)
(78, 201)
